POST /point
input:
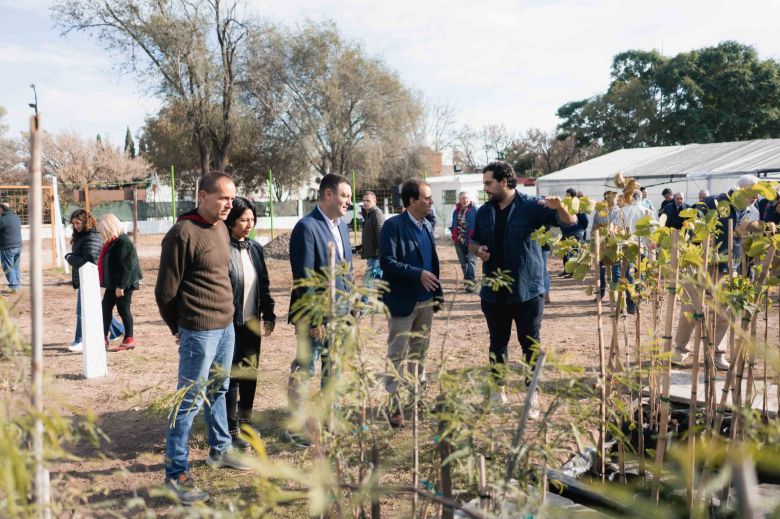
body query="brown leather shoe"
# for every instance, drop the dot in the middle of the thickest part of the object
(397, 419)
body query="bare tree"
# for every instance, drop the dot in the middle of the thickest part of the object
(346, 110)
(439, 125)
(554, 153)
(495, 140)
(75, 161)
(11, 169)
(184, 50)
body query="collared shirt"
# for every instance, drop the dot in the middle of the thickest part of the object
(631, 214)
(334, 230)
(419, 223)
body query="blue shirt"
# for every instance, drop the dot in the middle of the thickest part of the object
(522, 256)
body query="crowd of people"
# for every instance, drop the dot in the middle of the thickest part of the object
(213, 290)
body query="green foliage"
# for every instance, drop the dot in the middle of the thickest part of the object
(714, 94)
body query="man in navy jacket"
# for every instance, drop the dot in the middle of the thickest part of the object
(309, 245)
(410, 267)
(502, 240)
(10, 246)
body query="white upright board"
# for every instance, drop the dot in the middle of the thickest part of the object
(94, 353)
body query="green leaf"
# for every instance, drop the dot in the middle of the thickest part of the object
(691, 212)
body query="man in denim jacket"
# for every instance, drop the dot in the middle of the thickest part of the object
(502, 240)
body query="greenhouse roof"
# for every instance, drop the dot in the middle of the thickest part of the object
(691, 160)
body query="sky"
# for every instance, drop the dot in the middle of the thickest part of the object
(497, 61)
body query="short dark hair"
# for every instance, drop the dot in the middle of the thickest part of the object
(411, 189)
(666, 191)
(331, 181)
(502, 170)
(571, 192)
(240, 204)
(209, 181)
(642, 189)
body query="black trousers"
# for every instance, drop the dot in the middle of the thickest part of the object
(243, 376)
(110, 300)
(527, 317)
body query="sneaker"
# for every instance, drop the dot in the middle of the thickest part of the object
(535, 410)
(297, 440)
(683, 360)
(227, 459)
(186, 491)
(721, 363)
(127, 344)
(76, 347)
(397, 419)
(240, 444)
(498, 398)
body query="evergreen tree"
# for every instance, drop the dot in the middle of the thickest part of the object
(129, 144)
(141, 146)
(99, 140)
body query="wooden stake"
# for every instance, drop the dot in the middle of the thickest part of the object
(671, 288)
(698, 316)
(87, 205)
(638, 338)
(602, 360)
(415, 439)
(41, 485)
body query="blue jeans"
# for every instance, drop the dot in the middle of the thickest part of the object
(205, 358)
(372, 272)
(115, 330)
(308, 351)
(603, 275)
(468, 261)
(10, 261)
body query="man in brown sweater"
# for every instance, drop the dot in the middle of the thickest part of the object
(195, 299)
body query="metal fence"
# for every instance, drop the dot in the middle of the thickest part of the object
(18, 197)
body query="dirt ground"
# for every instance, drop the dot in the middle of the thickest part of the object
(121, 401)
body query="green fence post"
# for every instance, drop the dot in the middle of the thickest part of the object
(354, 207)
(271, 199)
(173, 194)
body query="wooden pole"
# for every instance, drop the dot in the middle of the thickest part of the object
(415, 437)
(197, 190)
(638, 331)
(671, 287)
(135, 215)
(87, 205)
(41, 481)
(602, 360)
(698, 317)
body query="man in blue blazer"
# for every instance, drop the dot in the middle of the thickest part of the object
(309, 245)
(410, 267)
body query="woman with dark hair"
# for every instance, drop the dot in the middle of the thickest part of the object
(252, 302)
(85, 247)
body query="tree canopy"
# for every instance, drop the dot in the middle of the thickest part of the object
(715, 94)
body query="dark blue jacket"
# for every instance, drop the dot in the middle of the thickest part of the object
(471, 218)
(402, 263)
(672, 213)
(10, 231)
(309, 250)
(522, 255)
